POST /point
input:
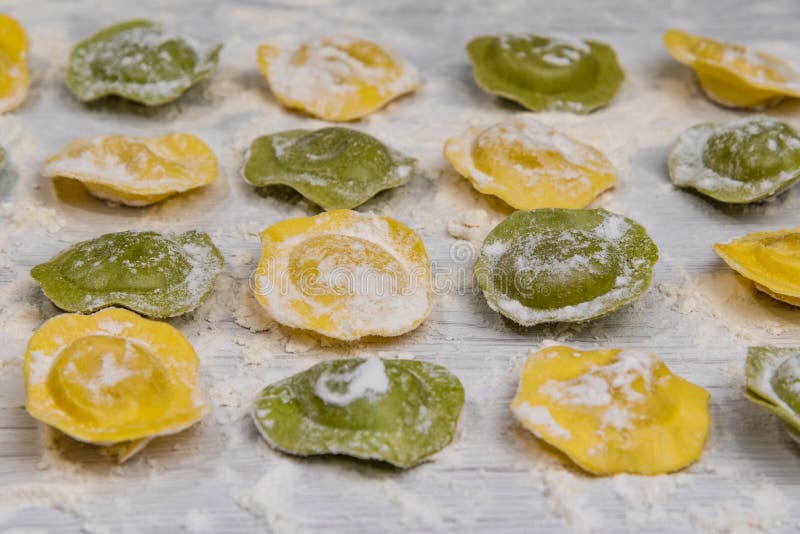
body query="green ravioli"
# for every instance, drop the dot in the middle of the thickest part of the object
(335, 168)
(564, 265)
(546, 73)
(156, 275)
(139, 60)
(743, 161)
(772, 381)
(395, 411)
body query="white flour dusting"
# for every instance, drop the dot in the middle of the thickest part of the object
(18, 498)
(197, 522)
(300, 342)
(366, 380)
(562, 491)
(541, 416)
(733, 301)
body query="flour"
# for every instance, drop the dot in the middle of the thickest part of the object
(65, 497)
(113, 328)
(365, 381)
(300, 342)
(249, 314)
(414, 507)
(609, 388)
(472, 225)
(768, 510)
(733, 304)
(280, 509)
(541, 416)
(268, 500)
(32, 214)
(197, 522)
(647, 499)
(110, 372)
(563, 492)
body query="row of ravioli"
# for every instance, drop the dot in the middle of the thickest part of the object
(526, 164)
(522, 161)
(342, 78)
(117, 380)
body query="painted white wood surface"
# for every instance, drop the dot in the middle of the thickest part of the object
(220, 476)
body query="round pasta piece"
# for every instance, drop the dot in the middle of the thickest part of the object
(770, 259)
(559, 265)
(734, 75)
(612, 411)
(772, 381)
(335, 168)
(345, 275)
(530, 165)
(546, 73)
(156, 275)
(743, 161)
(112, 379)
(14, 79)
(140, 61)
(394, 411)
(336, 78)
(135, 171)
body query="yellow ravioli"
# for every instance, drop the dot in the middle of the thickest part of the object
(112, 378)
(336, 78)
(345, 275)
(734, 75)
(136, 171)
(770, 259)
(530, 165)
(612, 411)
(14, 80)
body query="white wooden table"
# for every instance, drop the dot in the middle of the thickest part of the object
(219, 476)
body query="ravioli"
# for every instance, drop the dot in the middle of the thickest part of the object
(743, 161)
(112, 379)
(734, 75)
(559, 265)
(612, 411)
(335, 168)
(770, 259)
(336, 78)
(344, 275)
(394, 411)
(546, 73)
(135, 171)
(156, 275)
(14, 78)
(140, 61)
(530, 165)
(772, 382)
